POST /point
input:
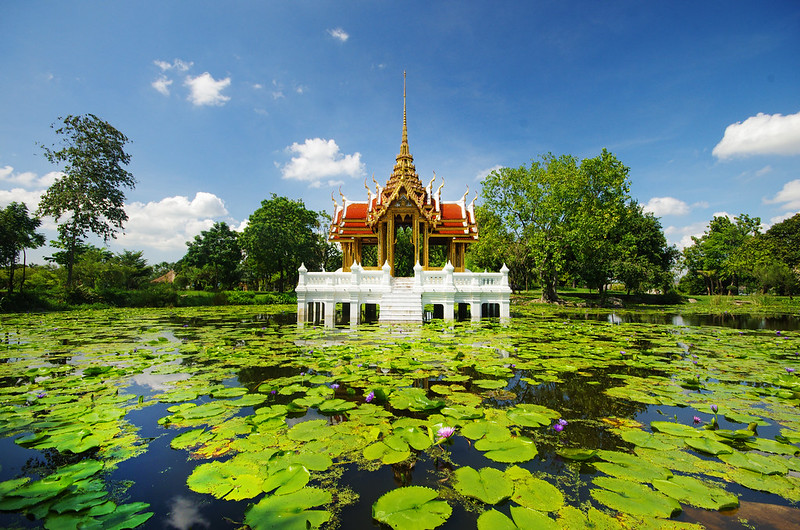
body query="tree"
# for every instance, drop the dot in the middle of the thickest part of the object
(561, 211)
(497, 247)
(17, 232)
(643, 260)
(217, 253)
(89, 194)
(279, 237)
(716, 256)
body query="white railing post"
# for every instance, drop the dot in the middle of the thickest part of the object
(301, 282)
(387, 274)
(418, 276)
(504, 278)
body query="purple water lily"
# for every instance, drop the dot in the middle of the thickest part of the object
(697, 420)
(558, 427)
(40, 395)
(789, 370)
(714, 409)
(335, 386)
(273, 392)
(446, 432)
(370, 396)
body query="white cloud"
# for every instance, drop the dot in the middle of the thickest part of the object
(762, 134)
(162, 85)
(167, 224)
(482, 174)
(205, 90)
(339, 34)
(29, 198)
(319, 160)
(660, 206)
(779, 218)
(28, 179)
(763, 171)
(789, 194)
(177, 65)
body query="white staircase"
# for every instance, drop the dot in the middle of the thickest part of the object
(402, 304)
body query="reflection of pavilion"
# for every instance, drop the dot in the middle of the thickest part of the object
(368, 234)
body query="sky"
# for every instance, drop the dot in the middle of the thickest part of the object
(227, 103)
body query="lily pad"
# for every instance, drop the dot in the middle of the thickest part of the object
(689, 490)
(412, 508)
(487, 484)
(289, 512)
(633, 498)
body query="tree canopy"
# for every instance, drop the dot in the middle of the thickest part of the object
(279, 237)
(89, 195)
(17, 232)
(216, 254)
(563, 216)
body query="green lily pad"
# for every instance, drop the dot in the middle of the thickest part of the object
(633, 498)
(289, 512)
(689, 490)
(707, 445)
(487, 484)
(519, 449)
(414, 399)
(412, 508)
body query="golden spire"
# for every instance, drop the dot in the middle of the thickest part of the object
(404, 164)
(404, 143)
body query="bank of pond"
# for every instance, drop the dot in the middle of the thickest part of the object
(235, 417)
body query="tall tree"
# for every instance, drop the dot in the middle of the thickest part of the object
(561, 211)
(279, 236)
(17, 232)
(89, 194)
(217, 253)
(715, 255)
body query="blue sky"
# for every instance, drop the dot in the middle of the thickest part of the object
(229, 102)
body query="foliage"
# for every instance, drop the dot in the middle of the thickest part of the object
(89, 193)
(561, 217)
(279, 237)
(716, 256)
(213, 258)
(17, 232)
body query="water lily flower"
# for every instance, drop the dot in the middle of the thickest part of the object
(446, 432)
(273, 392)
(623, 352)
(563, 422)
(40, 395)
(714, 409)
(370, 396)
(558, 427)
(335, 386)
(777, 332)
(789, 370)
(697, 420)
(302, 374)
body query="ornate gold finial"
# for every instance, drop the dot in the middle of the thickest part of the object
(404, 144)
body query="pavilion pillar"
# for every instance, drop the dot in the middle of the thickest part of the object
(415, 236)
(390, 243)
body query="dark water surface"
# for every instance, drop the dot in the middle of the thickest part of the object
(158, 476)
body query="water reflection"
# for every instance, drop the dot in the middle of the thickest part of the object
(184, 514)
(728, 320)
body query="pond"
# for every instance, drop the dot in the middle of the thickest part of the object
(233, 416)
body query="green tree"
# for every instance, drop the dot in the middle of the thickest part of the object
(17, 232)
(279, 236)
(217, 253)
(561, 211)
(89, 195)
(497, 246)
(643, 259)
(785, 238)
(715, 255)
(130, 269)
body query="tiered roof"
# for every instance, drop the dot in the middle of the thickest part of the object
(404, 188)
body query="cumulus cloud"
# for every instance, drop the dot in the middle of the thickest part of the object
(205, 90)
(338, 34)
(762, 134)
(177, 65)
(318, 160)
(167, 224)
(26, 187)
(780, 218)
(162, 85)
(660, 206)
(482, 174)
(789, 196)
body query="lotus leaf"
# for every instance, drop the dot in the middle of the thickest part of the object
(286, 480)
(707, 445)
(675, 429)
(229, 392)
(335, 406)
(413, 399)
(491, 430)
(633, 498)
(534, 493)
(462, 412)
(387, 454)
(529, 415)
(307, 430)
(490, 383)
(518, 449)
(624, 465)
(646, 439)
(231, 480)
(768, 465)
(487, 484)
(692, 491)
(494, 520)
(412, 508)
(771, 446)
(577, 453)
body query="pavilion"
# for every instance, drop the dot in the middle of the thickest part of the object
(368, 235)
